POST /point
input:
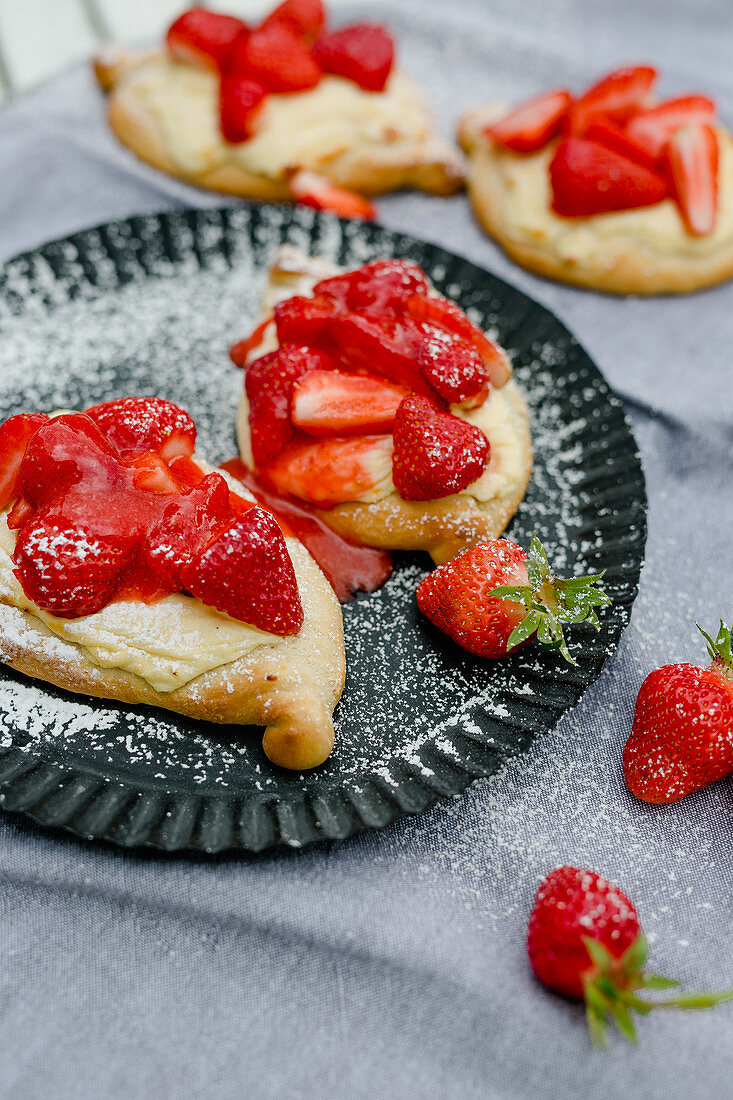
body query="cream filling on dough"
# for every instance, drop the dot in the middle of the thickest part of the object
(167, 643)
(526, 215)
(304, 129)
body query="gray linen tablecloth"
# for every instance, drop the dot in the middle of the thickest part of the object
(393, 965)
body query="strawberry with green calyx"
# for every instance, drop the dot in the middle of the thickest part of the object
(584, 941)
(682, 736)
(494, 597)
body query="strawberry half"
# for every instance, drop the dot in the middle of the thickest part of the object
(307, 18)
(14, 436)
(268, 383)
(331, 471)
(276, 57)
(185, 528)
(692, 159)
(619, 139)
(310, 189)
(440, 311)
(363, 52)
(653, 128)
(435, 453)
(204, 37)
(246, 572)
(588, 178)
(584, 941)
(372, 343)
(452, 367)
(66, 451)
(241, 100)
(239, 352)
(531, 125)
(332, 403)
(302, 320)
(618, 95)
(682, 736)
(135, 424)
(69, 568)
(382, 286)
(493, 598)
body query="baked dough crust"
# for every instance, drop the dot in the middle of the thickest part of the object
(441, 527)
(626, 264)
(290, 686)
(419, 160)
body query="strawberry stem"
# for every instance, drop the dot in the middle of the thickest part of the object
(720, 648)
(611, 985)
(552, 602)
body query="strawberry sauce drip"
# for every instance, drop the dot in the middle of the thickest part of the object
(349, 566)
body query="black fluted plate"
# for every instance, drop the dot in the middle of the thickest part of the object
(150, 305)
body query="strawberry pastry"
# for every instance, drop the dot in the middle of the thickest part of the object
(612, 189)
(381, 406)
(170, 584)
(288, 109)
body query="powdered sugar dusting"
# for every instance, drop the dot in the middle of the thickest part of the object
(73, 336)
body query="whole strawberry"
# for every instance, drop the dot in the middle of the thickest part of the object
(494, 597)
(682, 736)
(584, 940)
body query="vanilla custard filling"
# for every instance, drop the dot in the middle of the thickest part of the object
(302, 129)
(525, 213)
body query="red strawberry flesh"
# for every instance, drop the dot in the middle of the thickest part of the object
(136, 424)
(268, 384)
(306, 18)
(363, 53)
(310, 189)
(618, 96)
(15, 434)
(333, 403)
(246, 572)
(241, 100)
(692, 157)
(653, 127)
(382, 286)
(276, 57)
(329, 471)
(588, 178)
(436, 454)
(531, 125)
(204, 37)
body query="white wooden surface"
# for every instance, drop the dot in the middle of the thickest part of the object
(40, 37)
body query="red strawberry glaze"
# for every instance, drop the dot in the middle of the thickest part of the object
(96, 525)
(348, 566)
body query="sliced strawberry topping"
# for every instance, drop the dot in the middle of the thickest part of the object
(382, 286)
(333, 403)
(70, 568)
(301, 320)
(440, 311)
(268, 383)
(653, 128)
(452, 367)
(186, 527)
(363, 53)
(241, 100)
(588, 179)
(204, 37)
(331, 471)
(135, 424)
(313, 190)
(620, 140)
(151, 473)
(239, 352)
(64, 452)
(383, 345)
(532, 124)
(14, 436)
(246, 572)
(435, 453)
(617, 95)
(348, 566)
(306, 17)
(276, 57)
(692, 157)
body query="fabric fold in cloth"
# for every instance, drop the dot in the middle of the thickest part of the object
(393, 964)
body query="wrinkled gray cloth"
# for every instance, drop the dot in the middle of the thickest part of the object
(393, 964)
